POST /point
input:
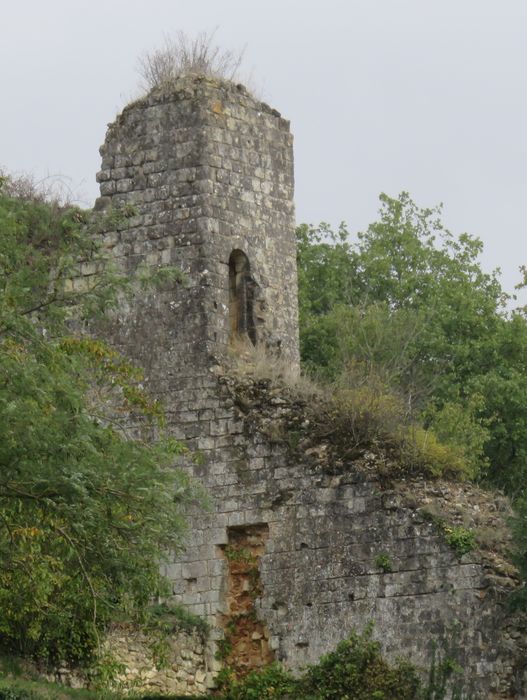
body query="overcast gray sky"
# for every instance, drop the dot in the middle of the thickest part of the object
(427, 96)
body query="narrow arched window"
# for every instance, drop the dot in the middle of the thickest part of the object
(241, 297)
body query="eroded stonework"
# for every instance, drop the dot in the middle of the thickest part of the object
(182, 670)
(208, 174)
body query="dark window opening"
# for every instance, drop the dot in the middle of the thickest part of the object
(241, 297)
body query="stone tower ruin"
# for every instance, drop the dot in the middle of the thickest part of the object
(287, 552)
(208, 171)
(204, 177)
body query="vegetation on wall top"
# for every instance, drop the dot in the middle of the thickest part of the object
(406, 309)
(413, 335)
(184, 55)
(404, 314)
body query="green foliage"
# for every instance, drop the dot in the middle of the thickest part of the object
(355, 670)
(154, 696)
(384, 562)
(445, 675)
(105, 672)
(16, 694)
(503, 384)
(26, 689)
(175, 618)
(407, 305)
(271, 682)
(422, 452)
(85, 514)
(460, 539)
(224, 649)
(325, 271)
(368, 413)
(162, 621)
(234, 553)
(464, 431)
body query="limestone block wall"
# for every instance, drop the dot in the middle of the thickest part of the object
(188, 177)
(139, 665)
(206, 170)
(201, 171)
(328, 524)
(182, 671)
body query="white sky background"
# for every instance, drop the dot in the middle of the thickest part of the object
(427, 96)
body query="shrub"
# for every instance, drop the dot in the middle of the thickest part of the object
(173, 618)
(355, 670)
(368, 411)
(162, 621)
(460, 539)
(459, 425)
(370, 414)
(421, 451)
(182, 55)
(384, 562)
(271, 682)
(16, 694)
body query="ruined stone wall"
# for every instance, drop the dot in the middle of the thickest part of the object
(200, 172)
(206, 170)
(342, 548)
(284, 562)
(179, 668)
(188, 177)
(144, 662)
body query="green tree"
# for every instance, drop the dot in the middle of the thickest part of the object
(325, 271)
(86, 512)
(409, 302)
